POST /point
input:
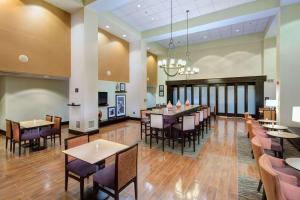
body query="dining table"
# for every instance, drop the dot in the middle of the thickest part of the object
(95, 151)
(282, 135)
(267, 121)
(275, 127)
(293, 162)
(174, 112)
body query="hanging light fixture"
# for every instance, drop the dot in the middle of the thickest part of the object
(188, 69)
(171, 65)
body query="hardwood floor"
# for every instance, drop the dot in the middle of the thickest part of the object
(211, 175)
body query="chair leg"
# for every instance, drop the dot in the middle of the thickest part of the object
(117, 195)
(95, 188)
(163, 140)
(6, 142)
(14, 147)
(60, 139)
(20, 148)
(182, 143)
(81, 188)
(142, 131)
(11, 143)
(194, 140)
(135, 189)
(151, 138)
(264, 197)
(66, 180)
(259, 186)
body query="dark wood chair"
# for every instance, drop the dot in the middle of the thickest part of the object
(159, 129)
(76, 168)
(56, 128)
(205, 119)
(118, 176)
(27, 135)
(145, 125)
(8, 134)
(46, 132)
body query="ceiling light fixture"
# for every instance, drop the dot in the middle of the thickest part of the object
(237, 30)
(204, 37)
(139, 5)
(107, 26)
(188, 69)
(171, 65)
(124, 36)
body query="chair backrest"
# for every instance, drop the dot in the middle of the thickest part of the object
(208, 111)
(57, 122)
(16, 131)
(246, 114)
(74, 142)
(126, 166)
(269, 114)
(8, 128)
(270, 179)
(143, 114)
(257, 149)
(156, 121)
(49, 118)
(197, 118)
(201, 115)
(205, 113)
(250, 129)
(188, 123)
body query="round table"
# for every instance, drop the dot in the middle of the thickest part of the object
(267, 121)
(275, 127)
(282, 135)
(293, 162)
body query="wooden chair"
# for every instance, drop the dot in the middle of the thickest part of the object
(56, 129)
(205, 118)
(76, 168)
(46, 132)
(209, 117)
(119, 175)
(269, 114)
(186, 129)
(8, 134)
(159, 129)
(145, 124)
(19, 137)
(201, 120)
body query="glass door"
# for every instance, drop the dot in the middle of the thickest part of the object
(241, 99)
(221, 100)
(212, 98)
(230, 100)
(204, 95)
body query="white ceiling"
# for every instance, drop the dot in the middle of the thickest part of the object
(245, 28)
(148, 14)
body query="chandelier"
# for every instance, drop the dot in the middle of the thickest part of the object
(171, 65)
(188, 69)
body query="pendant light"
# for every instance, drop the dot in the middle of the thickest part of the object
(188, 69)
(171, 65)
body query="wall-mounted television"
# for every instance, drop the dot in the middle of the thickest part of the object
(102, 99)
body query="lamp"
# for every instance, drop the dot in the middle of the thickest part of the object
(296, 114)
(271, 103)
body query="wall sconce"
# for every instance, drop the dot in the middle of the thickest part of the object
(108, 72)
(23, 58)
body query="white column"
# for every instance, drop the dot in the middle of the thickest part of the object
(137, 87)
(84, 71)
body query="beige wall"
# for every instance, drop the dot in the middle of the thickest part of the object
(113, 56)
(269, 66)
(38, 30)
(33, 98)
(151, 70)
(235, 57)
(289, 62)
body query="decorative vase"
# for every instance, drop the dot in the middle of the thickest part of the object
(99, 115)
(169, 106)
(178, 104)
(187, 103)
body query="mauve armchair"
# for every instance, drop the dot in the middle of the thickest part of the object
(277, 185)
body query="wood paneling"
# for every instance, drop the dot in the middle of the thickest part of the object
(38, 30)
(151, 70)
(113, 57)
(212, 174)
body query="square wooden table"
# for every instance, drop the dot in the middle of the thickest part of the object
(95, 151)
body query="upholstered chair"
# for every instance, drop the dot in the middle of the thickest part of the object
(159, 129)
(201, 120)
(46, 132)
(277, 185)
(56, 128)
(197, 125)
(76, 168)
(187, 129)
(209, 117)
(116, 177)
(19, 136)
(8, 135)
(205, 117)
(145, 124)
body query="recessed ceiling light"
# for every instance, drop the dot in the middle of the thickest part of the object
(148, 48)
(107, 26)
(124, 36)
(237, 30)
(152, 18)
(205, 37)
(139, 5)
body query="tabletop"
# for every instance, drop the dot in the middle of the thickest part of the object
(95, 151)
(174, 111)
(36, 123)
(275, 127)
(293, 162)
(282, 134)
(267, 121)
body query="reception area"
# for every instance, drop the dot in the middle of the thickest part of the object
(149, 99)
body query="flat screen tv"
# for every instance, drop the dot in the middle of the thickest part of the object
(102, 98)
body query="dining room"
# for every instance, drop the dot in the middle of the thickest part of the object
(140, 99)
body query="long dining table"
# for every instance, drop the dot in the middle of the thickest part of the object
(175, 112)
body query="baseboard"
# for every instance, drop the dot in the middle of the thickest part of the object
(2, 132)
(75, 132)
(134, 118)
(112, 121)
